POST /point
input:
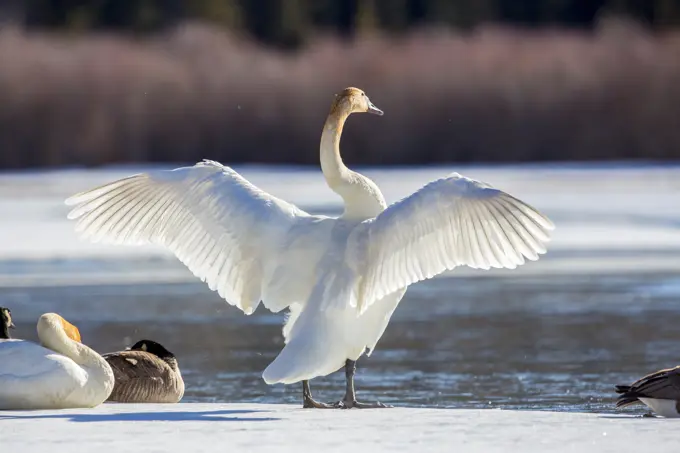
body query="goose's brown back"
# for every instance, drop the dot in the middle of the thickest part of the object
(141, 377)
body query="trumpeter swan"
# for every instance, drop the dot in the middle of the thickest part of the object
(145, 373)
(63, 374)
(660, 391)
(341, 278)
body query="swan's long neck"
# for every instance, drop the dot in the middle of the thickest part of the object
(334, 169)
(53, 337)
(362, 197)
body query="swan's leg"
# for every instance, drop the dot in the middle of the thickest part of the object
(307, 400)
(350, 399)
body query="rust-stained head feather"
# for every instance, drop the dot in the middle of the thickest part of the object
(71, 331)
(353, 100)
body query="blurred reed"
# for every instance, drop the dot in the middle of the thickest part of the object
(198, 92)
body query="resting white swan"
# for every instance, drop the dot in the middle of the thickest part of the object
(63, 374)
(340, 277)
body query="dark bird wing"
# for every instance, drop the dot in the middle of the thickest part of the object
(663, 384)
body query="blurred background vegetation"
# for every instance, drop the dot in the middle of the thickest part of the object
(109, 81)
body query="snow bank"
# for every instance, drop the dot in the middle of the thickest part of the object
(283, 428)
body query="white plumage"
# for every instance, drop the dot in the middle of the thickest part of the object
(665, 408)
(341, 277)
(61, 374)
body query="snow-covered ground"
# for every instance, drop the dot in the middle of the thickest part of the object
(283, 428)
(614, 218)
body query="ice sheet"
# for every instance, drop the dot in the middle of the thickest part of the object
(611, 218)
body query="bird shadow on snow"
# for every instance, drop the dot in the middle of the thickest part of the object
(631, 417)
(201, 416)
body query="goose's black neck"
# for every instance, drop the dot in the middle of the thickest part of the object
(4, 331)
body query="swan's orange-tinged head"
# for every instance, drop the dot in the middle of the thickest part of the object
(353, 100)
(71, 331)
(53, 321)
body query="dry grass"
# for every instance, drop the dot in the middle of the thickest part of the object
(495, 95)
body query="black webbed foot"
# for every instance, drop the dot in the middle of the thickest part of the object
(310, 403)
(354, 404)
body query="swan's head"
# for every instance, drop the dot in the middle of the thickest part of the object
(152, 348)
(6, 318)
(354, 100)
(52, 322)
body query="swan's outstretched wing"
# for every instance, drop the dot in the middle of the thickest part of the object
(223, 228)
(450, 222)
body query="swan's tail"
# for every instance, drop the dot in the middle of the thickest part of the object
(316, 347)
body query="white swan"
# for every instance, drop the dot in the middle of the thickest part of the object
(67, 375)
(340, 277)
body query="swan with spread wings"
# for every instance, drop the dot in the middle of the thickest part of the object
(341, 278)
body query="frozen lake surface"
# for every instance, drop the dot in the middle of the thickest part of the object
(602, 307)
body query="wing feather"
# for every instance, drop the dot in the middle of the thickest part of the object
(450, 222)
(663, 384)
(223, 228)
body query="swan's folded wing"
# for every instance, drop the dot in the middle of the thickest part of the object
(222, 227)
(25, 359)
(450, 222)
(30, 371)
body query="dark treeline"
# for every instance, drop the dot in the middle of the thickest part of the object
(289, 23)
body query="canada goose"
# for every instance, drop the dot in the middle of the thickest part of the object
(660, 391)
(145, 373)
(5, 323)
(341, 278)
(62, 373)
